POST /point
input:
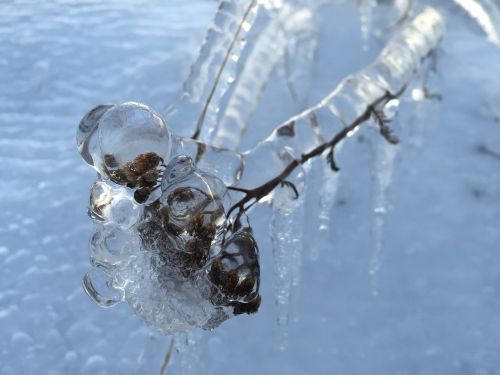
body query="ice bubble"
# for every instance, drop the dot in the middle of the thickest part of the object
(86, 138)
(191, 192)
(108, 247)
(97, 286)
(235, 273)
(113, 205)
(100, 199)
(178, 168)
(124, 212)
(129, 130)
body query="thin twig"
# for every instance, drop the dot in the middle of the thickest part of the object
(168, 356)
(263, 190)
(482, 149)
(201, 120)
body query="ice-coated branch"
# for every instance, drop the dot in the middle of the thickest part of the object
(261, 191)
(486, 14)
(356, 100)
(284, 28)
(213, 70)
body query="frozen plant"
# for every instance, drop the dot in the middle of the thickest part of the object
(170, 206)
(161, 236)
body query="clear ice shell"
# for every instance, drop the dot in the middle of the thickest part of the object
(100, 200)
(188, 192)
(178, 168)
(129, 130)
(240, 252)
(86, 140)
(124, 212)
(112, 205)
(98, 288)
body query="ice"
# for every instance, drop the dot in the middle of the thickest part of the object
(189, 348)
(162, 242)
(365, 19)
(129, 130)
(188, 192)
(383, 165)
(214, 70)
(86, 138)
(328, 181)
(179, 167)
(439, 277)
(286, 231)
(487, 14)
(284, 28)
(389, 73)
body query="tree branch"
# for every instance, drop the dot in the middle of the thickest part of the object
(263, 190)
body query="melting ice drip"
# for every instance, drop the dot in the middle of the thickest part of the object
(161, 239)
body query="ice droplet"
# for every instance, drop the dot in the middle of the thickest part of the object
(101, 295)
(86, 139)
(129, 130)
(178, 168)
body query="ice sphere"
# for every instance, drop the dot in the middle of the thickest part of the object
(235, 273)
(391, 109)
(86, 139)
(182, 225)
(100, 199)
(112, 205)
(98, 288)
(108, 247)
(188, 192)
(178, 168)
(129, 130)
(124, 212)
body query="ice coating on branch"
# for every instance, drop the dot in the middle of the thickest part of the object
(287, 24)
(214, 70)
(389, 73)
(365, 19)
(487, 14)
(227, 165)
(161, 241)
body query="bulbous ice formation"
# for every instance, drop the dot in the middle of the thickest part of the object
(131, 129)
(162, 240)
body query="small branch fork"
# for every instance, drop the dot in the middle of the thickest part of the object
(252, 196)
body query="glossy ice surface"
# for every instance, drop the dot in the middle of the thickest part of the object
(435, 310)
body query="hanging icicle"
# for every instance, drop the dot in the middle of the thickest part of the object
(286, 230)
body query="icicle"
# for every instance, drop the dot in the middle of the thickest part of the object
(149, 361)
(384, 155)
(486, 14)
(390, 73)
(214, 69)
(365, 19)
(328, 189)
(268, 50)
(286, 230)
(426, 102)
(298, 67)
(188, 346)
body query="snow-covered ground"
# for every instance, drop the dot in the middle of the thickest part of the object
(432, 308)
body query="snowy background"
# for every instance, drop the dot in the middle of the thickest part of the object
(435, 306)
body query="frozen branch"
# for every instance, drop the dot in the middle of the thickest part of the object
(356, 100)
